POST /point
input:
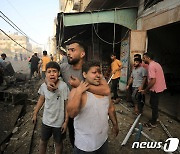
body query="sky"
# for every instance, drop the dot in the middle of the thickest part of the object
(33, 17)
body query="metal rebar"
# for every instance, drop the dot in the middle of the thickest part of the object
(110, 78)
(131, 130)
(149, 138)
(167, 132)
(125, 107)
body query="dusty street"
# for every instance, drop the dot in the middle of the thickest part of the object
(20, 135)
(27, 136)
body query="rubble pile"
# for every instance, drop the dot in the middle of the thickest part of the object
(19, 135)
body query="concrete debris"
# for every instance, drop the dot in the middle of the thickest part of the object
(131, 130)
(14, 138)
(23, 135)
(15, 130)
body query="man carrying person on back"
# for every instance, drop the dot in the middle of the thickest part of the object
(90, 113)
(72, 75)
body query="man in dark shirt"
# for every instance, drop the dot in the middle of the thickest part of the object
(34, 64)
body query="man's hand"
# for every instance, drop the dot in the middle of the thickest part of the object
(34, 119)
(143, 92)
(140, 89)
(51, 86)
(113, 72)
(64, 127)
(115, 130)
(83, 87)
(74, 82)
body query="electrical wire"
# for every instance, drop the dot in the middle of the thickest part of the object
(17, 28)
(14, 41)
(25, 21)
(114, 43)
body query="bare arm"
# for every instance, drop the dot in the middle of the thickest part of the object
(143, 83)
(66, 114)
(130, 81)
(103, 89)
(150, 85)
(40, 103)
(113, 118)
(66, 120)
(74, 102)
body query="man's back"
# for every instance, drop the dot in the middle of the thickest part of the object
(45, 60)
(34, 62)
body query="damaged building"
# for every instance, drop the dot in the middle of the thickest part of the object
(126, 28)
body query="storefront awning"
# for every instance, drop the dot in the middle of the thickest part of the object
(124, 17)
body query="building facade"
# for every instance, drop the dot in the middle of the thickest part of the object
(156, 30)
(11, 48)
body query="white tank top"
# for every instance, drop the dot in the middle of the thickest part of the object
(91, 124)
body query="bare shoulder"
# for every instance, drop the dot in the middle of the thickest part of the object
(83, 99)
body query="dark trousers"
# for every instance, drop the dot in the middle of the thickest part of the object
(129, 94)
(114, 87)
(154, 102)
(71, 130)
(102, 150)
(138, 98)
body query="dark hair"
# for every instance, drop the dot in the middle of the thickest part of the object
(81, 44)
(138, 59)
(35, 54)
(138, 56)
(150, 55)
(3, 55)
(87, 65)
(44, 52)
(53, 64)
(113, 54)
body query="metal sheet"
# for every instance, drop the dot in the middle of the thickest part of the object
(124, 17)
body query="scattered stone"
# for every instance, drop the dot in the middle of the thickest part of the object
(15, 130)
(23, 135)
(14, 138)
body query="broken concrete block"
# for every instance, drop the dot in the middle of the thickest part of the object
(23, 135)
(14, 138)
(15, 130)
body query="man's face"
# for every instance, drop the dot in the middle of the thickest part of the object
(52, 75)
(93, 76)
(75, 53)
(146, 59)
(112, 57)
(3, 57)
(136, 63)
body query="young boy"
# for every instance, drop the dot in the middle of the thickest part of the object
(138, 80)
(90, 113)
(55, 117)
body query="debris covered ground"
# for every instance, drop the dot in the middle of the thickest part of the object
(20, 135)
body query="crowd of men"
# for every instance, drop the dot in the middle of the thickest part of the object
(81, 99)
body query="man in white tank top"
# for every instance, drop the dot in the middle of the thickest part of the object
(90, 113)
